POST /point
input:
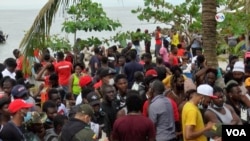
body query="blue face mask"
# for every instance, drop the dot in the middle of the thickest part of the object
(27, 117)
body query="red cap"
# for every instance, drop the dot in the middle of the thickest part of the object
(151, 72)
(85, 80)
(17, 105)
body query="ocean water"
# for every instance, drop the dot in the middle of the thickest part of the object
(16, 22)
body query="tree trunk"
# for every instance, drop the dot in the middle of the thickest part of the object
(209, 32)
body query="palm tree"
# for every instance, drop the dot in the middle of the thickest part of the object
(40, 29)
(209, 32)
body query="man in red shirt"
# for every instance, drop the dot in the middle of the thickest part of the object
(134, 126)
(63, 69)
(158, 41)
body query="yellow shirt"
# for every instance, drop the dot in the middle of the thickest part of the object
(167, 81)
(175, 39)
(191, 115)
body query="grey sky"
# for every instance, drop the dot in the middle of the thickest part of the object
(37, 4)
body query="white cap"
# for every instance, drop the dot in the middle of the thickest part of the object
(239, 66)
(206, 90)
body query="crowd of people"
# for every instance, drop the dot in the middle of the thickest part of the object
(122, 95)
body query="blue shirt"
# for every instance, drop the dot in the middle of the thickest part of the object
(162, 114)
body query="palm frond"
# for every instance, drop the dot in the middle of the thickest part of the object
(40, 29)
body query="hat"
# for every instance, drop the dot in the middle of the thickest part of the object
(189, 85)
(85, 80)
(206, 90)
(239, 66)
(38, 117)
(107, 71)
(151, 72)
(93, 98)
(17, 105)
(216, 131)
(19, 90)
(86, 109)
(247, 82)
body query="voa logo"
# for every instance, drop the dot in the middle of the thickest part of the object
(236, 132)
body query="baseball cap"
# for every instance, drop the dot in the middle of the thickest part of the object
(85, 80)
(19, 90)
(206, 90)
(151, 72)
(93, 98)
(107, 71)
(247, 82)
(85, 109)
(17, 105)
(239, 67)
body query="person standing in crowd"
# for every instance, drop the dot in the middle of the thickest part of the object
(131, 67)
(173, 58)
(94, 62)
(147, 41)
(99, 119)
(134, 126)
(238, 101)
(163, 52)
(148, 64)
(136, 38)
(53, 133)
(163, 118)
(120, 66)
(175, 38)
(192, 122)
(4, 113)
(63, 69)
(121, 83)
(50, 108)
(238, 74)
(196, 43)
(54, 83)
(220, 112)
(77, 128)
(13, 130)
(19, 59)
(110, 106)
(7, 84)
(74, 88)
(158, 41)
(53, 95)
(10, 64)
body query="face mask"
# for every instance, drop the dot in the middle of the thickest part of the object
(218, 107)
(200, 105)
(27, 117)
(111, 81)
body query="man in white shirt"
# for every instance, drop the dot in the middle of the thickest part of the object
(10, 64)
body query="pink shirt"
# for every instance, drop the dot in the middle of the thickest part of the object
(164, 54)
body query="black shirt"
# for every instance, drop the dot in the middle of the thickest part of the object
(10, 132)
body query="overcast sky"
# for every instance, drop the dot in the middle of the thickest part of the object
(37, 4)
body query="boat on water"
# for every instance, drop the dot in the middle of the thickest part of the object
(3, 37)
